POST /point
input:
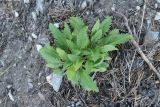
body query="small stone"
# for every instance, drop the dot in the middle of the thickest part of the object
(16, 14)
(157, 16)
(138, 8)
(113, 7)
(30, 85)
(156, 5)
(38, 47)
(34, 36)
(34, 16)
(158, 1)
(10, 96)
(55, 81)
(41, 96)
(9, 86)
(84, 5)
(56, 25)
(26, 1)
(39, 6)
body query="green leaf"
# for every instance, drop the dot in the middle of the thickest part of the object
(77, 23)
(73, 57)
(89, 66)
(101, 67)
(70, 72)
(71, 45)
(108, 48)
(96, 27)
(67, 31)
(61, 53)
(96, 36)
(122, 39)
(87, 83)
(60, 39)
(51, 56)
(82, 38)
(105, 25)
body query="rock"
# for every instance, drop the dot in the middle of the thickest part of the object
(56, 25)
(151, 37)
(158, 1)
(26, 1)
(34, 16)
(16, 14)
(10, 96)
(83, 5)
(55, 80)
(38, 47)
(34, 36)
(39, 6)
(157, 16)
(138, 8)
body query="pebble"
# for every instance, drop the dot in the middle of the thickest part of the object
(10, 96)
(158, 1)
(39, 6)
(34, 16)
(16, 14)
(26, 1)
(138, 8)
(156, 5)
(157, 16)
(34, 36)
(38, 47)
(151, 37)
(56, 25)
(84, 4)
(55, 81)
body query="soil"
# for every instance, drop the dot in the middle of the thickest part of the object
(23, 26)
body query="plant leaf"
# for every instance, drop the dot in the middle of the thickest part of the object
(107, 48)
(73, 57)
(61, 53)
(67, 31)
(96, 27)
(51, 56)
(87, 83)
(77, 23)
(82, 38)
(96, 36)
(101, 67)
(60, 39)
(105, 25)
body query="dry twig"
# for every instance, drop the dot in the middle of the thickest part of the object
(138, 47)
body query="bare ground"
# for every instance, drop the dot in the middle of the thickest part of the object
(128, 83)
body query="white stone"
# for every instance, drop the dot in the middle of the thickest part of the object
(56, 25)
(84, 5)
(156, 5)
(16, 14)
(34, 16)
(38, 47)
(34, 36)
(10, 96)
(138, 8)
(157, 16)
(26, 1)
(158, 1)
(55, 81)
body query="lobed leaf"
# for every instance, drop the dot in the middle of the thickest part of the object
(105, 25)
(58, 35)
(82, 38)
(87, 83)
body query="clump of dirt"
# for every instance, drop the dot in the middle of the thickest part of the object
(23, 27)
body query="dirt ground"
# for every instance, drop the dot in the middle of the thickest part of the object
(129, 82)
